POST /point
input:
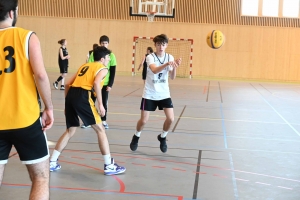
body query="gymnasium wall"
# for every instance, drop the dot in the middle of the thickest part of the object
(263, 49)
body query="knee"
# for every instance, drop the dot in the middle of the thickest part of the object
(143, 121)
(170, 120)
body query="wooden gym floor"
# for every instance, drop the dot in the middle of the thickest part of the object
(230, 140)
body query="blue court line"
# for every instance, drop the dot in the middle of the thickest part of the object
(235, 190)
(278, 114)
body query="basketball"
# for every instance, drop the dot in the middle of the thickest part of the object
(215, 39)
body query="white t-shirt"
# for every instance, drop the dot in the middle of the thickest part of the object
(157, 85)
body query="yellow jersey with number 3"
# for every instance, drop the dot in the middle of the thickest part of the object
(86, 75)
(19, 105)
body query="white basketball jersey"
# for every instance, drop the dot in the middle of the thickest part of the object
(157, 85)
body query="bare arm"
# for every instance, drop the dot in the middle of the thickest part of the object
(41, 79)
(62, 55)
(143, 60)
(67, 85)
(97, 87)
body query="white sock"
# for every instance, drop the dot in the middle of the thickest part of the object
(164, 134)
(54, 156)
(104, 122)
(107, 159)
(138, 134)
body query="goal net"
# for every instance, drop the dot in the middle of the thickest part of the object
(179, 48)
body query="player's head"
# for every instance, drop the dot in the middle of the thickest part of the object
(104, 41)
(95, 45)
(7, 9)
(160, 42)
(102, 54)
(149, 50)
(62, 41)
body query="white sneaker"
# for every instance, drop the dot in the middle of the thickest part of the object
(105, 125)
(54, 166)
(83, 126)
(113, 168)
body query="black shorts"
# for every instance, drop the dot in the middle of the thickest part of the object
(30, 143)
(144, 74)
(79, 103)
(151, 105)
(63, 69)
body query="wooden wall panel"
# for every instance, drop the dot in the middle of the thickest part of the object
(187, 11)
(256, 47)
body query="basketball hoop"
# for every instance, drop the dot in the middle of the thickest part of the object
(151, 16)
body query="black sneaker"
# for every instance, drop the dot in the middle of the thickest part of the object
(62, 87)
(163, 143)
(134, 143)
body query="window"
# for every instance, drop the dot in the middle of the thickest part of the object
(290, 8)
(271, 8)
(250, 7)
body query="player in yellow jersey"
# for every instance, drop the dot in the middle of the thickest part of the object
(22, 79)
(79, 103)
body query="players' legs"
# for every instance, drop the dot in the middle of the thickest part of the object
(110, 167)
(143, 120)
(169, 112)
(2, 166)
(64, 139)
(102, 139)
(139, 127)
(63, 75)
(39, 175)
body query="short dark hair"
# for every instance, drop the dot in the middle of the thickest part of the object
(6, 6)
(95, 45)
(103, 38)
(162, 38)
(100, 52)
(150, 49)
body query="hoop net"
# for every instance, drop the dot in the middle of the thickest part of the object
(151, 16)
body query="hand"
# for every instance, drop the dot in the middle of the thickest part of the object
(102, 110)
(68, 56)
(47, 119)
(108, 88)
(173, 64)
(178, 61)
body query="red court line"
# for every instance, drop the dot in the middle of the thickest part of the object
(158, 167)
(185, 163)
(94, 190)
(122, 185)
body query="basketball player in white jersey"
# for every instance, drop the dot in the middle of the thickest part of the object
(156, 93)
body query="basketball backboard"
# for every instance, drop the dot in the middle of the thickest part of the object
(162, 8)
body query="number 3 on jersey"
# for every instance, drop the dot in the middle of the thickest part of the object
(10, 59)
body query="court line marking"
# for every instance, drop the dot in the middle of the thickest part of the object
(207, 91)
(235, 189)
(199, 118)
(195, 192)
(178, 119)
(276, 111)
(131, 92)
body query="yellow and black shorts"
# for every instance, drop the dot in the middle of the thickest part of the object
(79, 103)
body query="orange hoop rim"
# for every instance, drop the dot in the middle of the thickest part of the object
(151, 13)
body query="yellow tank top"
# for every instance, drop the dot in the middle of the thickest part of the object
(86, 75)
(19, 106)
